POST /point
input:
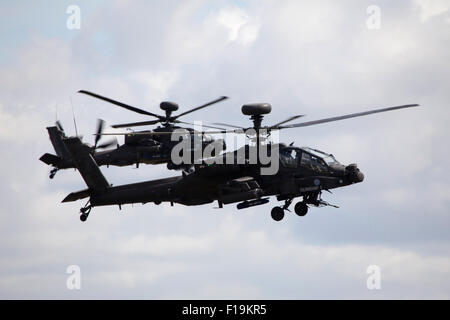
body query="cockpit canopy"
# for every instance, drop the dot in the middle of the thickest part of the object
(307, 157)
(328, 158)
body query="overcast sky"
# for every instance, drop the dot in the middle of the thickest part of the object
(317, 58)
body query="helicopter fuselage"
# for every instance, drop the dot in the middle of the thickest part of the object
(139, 147)
(231, 183)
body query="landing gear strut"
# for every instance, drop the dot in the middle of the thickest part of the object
(287, 203)
(85, 212)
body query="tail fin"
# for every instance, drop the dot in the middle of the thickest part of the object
(56, 137)
(87, 166)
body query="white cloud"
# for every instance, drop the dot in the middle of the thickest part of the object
(300, 23)
(18, 128)
(432, 8)
(164, 245)
(156, 84)
(239, 25)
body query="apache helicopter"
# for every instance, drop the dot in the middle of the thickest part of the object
(147, 147)
(303, 172)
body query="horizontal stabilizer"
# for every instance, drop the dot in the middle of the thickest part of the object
(74, 196)
(50, 159)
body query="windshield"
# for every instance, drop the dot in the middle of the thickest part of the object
(328, 158)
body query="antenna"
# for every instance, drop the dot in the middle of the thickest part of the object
(74, 121)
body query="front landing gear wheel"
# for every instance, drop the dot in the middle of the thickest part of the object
(84, 217)
(277, 213)
(301, 208)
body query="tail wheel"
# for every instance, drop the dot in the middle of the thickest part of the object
(85, 212)
(277, 213)
(53, 173)
(301, 208)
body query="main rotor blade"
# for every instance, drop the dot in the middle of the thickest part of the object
(203, 125)
(287, 120)
(138, 133)
(228, 125)
(201, 107)
(120, 104)
(221, 131)
(135, 124)
(167, 132)
(353, 115)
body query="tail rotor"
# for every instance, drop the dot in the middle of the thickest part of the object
(98, 136)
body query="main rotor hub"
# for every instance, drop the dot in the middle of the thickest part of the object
(169, 106)
(256, 109)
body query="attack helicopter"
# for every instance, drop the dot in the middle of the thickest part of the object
(303, 172)
(146, 147)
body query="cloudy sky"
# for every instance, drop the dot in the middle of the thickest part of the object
(317, 58)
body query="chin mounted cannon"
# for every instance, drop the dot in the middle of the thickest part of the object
(353, 173)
